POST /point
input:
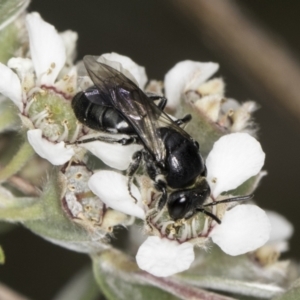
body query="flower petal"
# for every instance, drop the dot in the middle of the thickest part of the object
(162, 257)
(114, 155)
(282, 229)
(244, 228)
(128, 64)
(10, 86)
(22, 66)
(24, 69)
(185, 75)
(47, 48)
(234, 158)
(69, 38)
(112, 188)
(56, 154)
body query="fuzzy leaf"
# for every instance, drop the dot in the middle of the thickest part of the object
(292, 294)
(19, 209)
(119, 278)
(249, 186)
(9, 118)
(9, 32)
(23, 155)
(56, 227)
(11, 9)
(239, 275)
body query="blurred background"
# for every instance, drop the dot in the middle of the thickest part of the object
(256, 64)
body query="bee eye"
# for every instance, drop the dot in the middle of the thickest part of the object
(178, 205)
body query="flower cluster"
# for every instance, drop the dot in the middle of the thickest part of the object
(42, 85)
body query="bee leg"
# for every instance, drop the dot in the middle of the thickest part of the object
(184, 120)
(125, 141)
(161, 186)
(162, 103)
(133, 167)
(209, 214)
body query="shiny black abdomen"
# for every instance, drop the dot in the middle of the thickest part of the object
(183, 161)
(96, 112)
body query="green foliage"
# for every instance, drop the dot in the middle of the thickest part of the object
(2, 257)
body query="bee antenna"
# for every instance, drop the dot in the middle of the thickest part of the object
(233, 199)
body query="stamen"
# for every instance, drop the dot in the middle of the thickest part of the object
(164, 226)
(184, 234)
(205, 227)
(34, 90)
(37, 119)
(154, 220)
(171, 235)
(189, 233)
(76, 133)
(193, 226)
(28, 105)
(65, 134)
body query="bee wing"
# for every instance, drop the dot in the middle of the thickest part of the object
(131, 102)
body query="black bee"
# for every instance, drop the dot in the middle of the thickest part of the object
(171, 157)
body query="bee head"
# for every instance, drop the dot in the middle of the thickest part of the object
(185, 202)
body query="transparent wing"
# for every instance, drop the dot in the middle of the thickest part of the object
(129, 101)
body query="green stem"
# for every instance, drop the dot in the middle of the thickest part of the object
(23, 155)
(20, 209)
(9, 116)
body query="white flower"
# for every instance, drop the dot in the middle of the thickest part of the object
(281, 232)
(46, 47)
(188, 82)
(186, 75)
(10, 86)
(69, 39)
(112, 189)
(133, 69)
(119, 156)
(46, 149)
(244, 228)
(48, 57)
(233, 160)
(162, 257)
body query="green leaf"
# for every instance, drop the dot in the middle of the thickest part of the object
(19, 209)
(240, 275)
(10, 10)
(81, 287)
(292, 294)
(120, 279)
(2, 257)
(249, 186)
(23, 155)
(10, 39)
(9, 118)
(55, 225)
